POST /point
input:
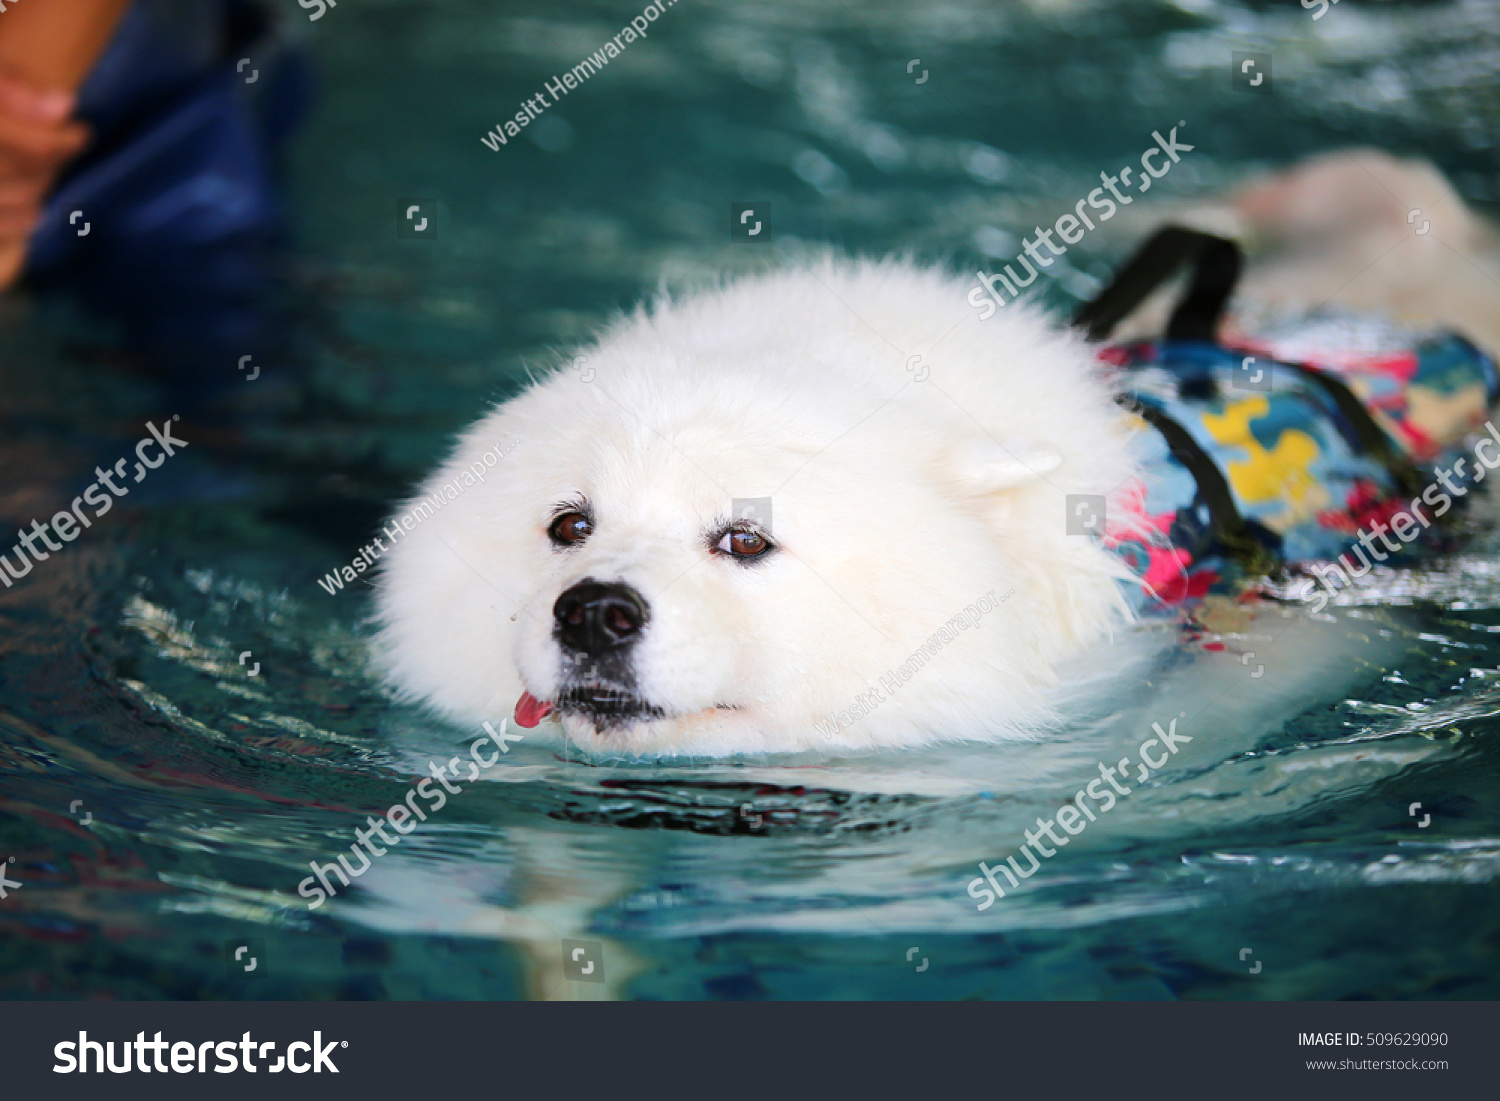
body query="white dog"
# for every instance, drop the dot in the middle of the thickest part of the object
(818, 508)
(910, 580)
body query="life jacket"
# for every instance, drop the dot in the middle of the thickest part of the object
(1331, 435)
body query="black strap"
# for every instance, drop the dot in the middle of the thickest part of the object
(1228, 526)
(1216, 268)
(1370, 437)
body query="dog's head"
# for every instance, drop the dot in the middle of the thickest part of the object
(713, 539)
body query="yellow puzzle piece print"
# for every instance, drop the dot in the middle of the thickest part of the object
(1280, 474)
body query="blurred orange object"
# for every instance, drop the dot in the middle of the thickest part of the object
(46, 50)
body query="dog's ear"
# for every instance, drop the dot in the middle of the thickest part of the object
(986, 466)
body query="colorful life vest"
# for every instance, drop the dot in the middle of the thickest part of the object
(1286, 447)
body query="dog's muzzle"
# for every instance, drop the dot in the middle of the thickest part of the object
(596, 623)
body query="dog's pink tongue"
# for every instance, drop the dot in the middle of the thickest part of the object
(530, 710)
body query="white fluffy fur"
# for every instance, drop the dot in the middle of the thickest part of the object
(897, 503)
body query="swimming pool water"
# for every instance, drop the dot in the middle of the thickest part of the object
(162, 803)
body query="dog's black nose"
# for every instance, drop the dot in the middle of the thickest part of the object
(595, 617)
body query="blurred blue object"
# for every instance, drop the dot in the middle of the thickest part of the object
(178, 190)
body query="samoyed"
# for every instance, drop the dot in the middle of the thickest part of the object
(818, 508)
(830, 491)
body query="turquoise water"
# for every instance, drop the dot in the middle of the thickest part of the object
(1283, 839)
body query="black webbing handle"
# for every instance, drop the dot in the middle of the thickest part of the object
(1216, 267)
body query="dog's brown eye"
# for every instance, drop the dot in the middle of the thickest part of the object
(744, 544)
(570, 527)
